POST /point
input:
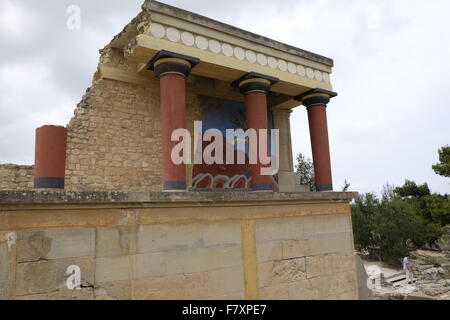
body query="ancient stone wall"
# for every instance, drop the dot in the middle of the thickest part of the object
(114, 138)
(306, 258)
(14, 177)
(276, 246)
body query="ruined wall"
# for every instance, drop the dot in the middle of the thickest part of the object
(114, 139)
(14, 177)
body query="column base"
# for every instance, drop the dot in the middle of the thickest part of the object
(262, 187)
(324, 187)
(49, 183)
(174, 186)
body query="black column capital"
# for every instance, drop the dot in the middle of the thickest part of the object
(169, 63)
(254, 82)
(316, 97)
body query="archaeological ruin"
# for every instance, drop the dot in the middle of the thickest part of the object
(105, 212)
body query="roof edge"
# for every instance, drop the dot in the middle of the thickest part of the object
(155, 6)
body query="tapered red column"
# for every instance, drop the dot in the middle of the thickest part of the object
(255, 89)
(316, 102)
(172, 69)
(50, 157)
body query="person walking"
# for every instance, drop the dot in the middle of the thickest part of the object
(407, 267)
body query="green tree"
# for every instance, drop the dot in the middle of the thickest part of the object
(436, 208)
(305, 167)
(443, 167)
(411, 189)
(383, 228)
(364, 212)
(433, 207)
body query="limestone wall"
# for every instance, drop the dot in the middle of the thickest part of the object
(306, 258)
(178, 249)
(114, 138)
(14, 177)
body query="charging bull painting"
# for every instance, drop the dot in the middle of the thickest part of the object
(222, 114)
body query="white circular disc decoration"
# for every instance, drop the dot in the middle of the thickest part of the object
(326, 77)
(301, 71)
(173, 34)
(318, 75)
(239, 53)
(227, 50)
(157, 30)
(262, 59)
(273, 63)
(201, 42)
(310, 73)
(251, 56)
(215, 46)
(188, 38)
(292, 68)
(282, 65)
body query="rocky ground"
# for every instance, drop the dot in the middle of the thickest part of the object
(431, 273)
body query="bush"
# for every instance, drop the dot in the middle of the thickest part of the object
(384, 227)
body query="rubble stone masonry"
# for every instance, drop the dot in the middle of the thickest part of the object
(14, 177)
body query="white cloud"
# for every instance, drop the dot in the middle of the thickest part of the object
(16, 22)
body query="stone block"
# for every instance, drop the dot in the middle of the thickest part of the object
(120, 241)
(221, 234)
(269, 251)
(64, 294)
(173, 287)
(7, 264)
(227, 281)
(303, 290)
(109, 269)
(328, 264)
(49, 276)
(187, 261)
(280, 272)
(117, 290)
(158, 238)
(342, 296)
(327, 224)
(295, 248)
(55, 244)
(229, 296)
(331, 243)
(279, 229)
(324, 287)
(288, 181)
(336, 284)
(275, 292)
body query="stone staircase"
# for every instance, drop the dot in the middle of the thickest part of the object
(396, 280)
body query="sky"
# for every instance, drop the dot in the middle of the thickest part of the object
(392, 73)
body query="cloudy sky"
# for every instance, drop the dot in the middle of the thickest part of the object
(392, 72)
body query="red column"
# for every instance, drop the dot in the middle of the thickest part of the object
(50, 157)
(172, 72)
(255, 91)
(173, 116)
(318, 129)
(316, 102)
